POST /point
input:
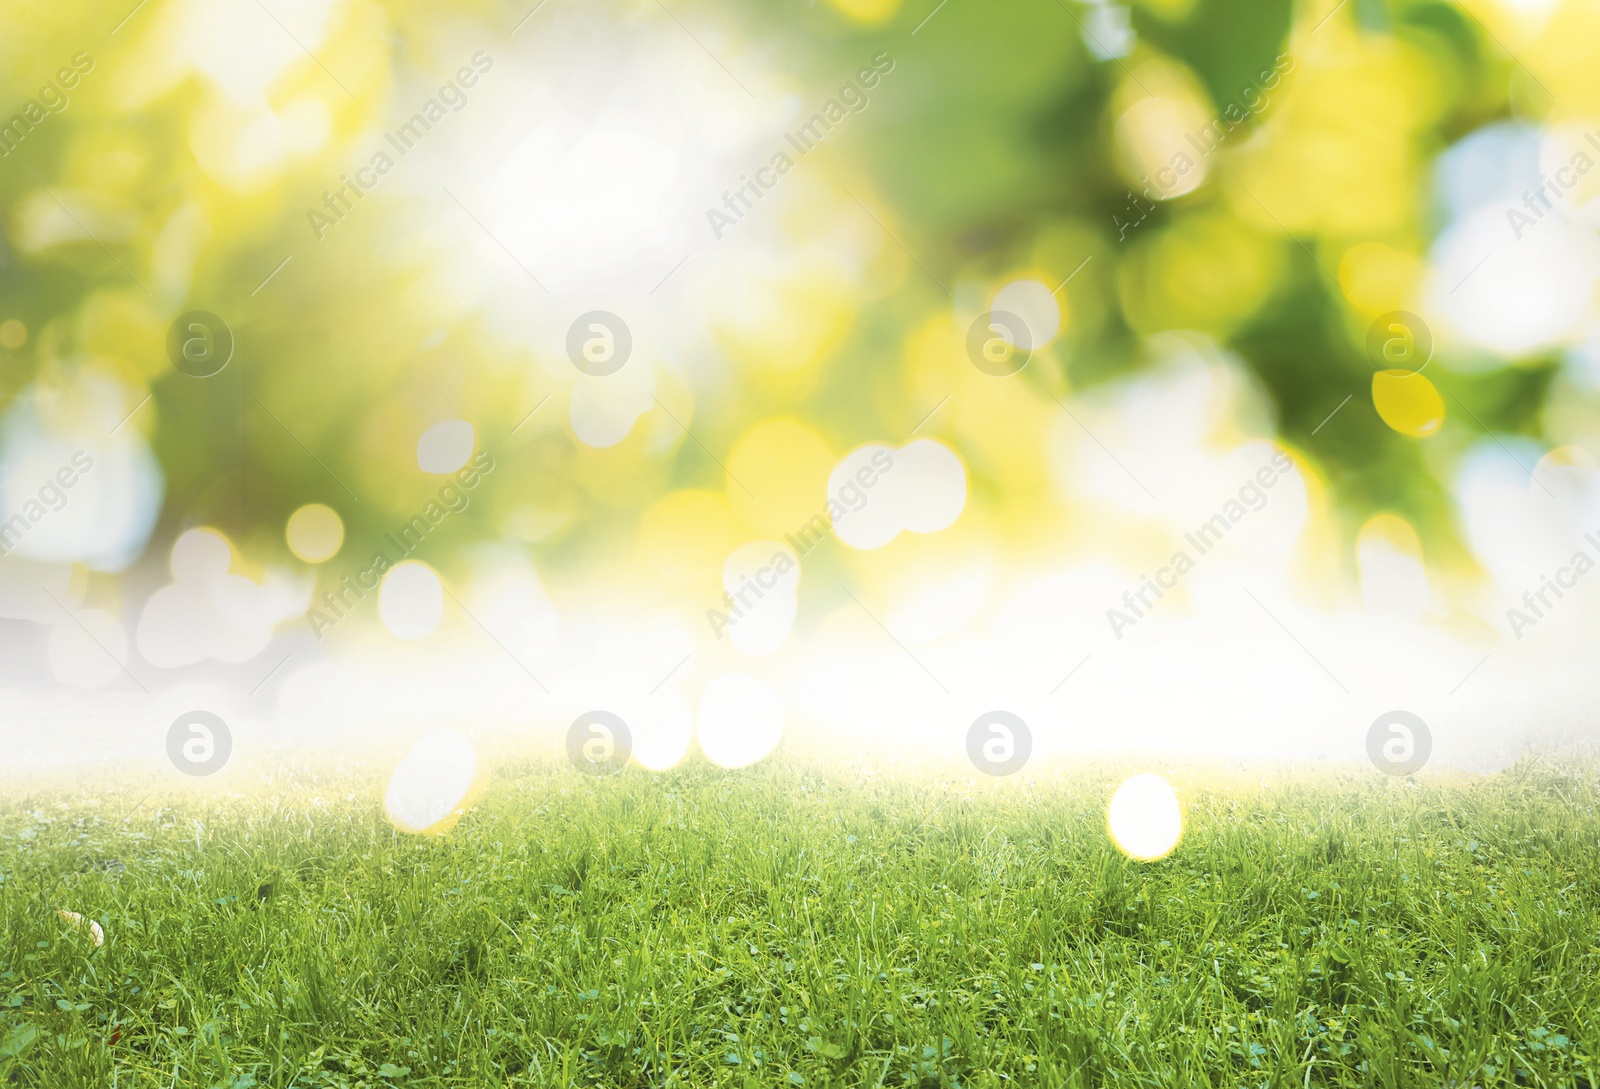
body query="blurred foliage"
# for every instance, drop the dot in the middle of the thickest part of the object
(998, 146)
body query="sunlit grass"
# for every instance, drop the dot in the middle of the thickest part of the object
(793, 925)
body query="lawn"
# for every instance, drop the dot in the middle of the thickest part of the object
(805, 924)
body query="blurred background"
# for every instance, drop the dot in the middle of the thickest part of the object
(808, 374)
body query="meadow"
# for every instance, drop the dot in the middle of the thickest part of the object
(805, 924)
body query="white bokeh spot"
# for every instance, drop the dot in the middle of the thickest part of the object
(411, 600)
(1036, 305)
(924, 492)
(430, 783)
(740, 720)
(206, 612)
(1144, 817)
(445, 447)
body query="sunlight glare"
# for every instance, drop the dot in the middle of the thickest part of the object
(1144, 818)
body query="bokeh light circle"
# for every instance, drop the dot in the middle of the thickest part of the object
(663, 731)
(1035, 305)
(740, 720)
(445, 447)
(1144, 817)
(427, 789)
(315, 533)
(411, 600)
(1408, 402)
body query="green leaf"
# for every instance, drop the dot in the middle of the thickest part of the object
(390, 1070)
(817, 1046)
(21, 1038)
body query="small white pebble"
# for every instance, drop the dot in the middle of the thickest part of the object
(96, 934)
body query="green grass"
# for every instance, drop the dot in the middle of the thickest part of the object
(790, 925)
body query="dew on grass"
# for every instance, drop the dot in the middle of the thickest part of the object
(1144, 817)
(740, 720)
(427, 787)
